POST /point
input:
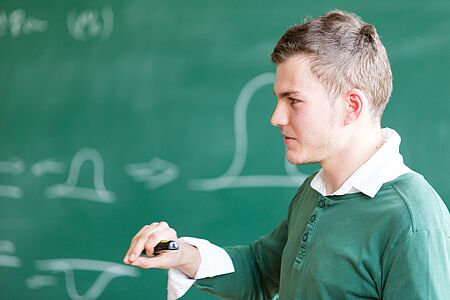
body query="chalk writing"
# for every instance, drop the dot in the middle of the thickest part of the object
(9, 191)
(89, 24)
(13, 167)
(232, 178)
(17, 23)
(108, 272)
(70, 188)
(7, 259)
(155, 173)
(7, 246)
(39, 281)
(48, 166)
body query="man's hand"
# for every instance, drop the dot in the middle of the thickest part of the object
(185, 259)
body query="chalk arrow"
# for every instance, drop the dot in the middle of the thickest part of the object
(155, 173)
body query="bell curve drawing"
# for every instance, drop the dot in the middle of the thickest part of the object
(232, 178)
(70, 188)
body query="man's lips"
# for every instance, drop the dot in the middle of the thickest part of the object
(288, 139)
(286, 136)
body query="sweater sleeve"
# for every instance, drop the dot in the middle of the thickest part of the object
(418, 268)
(257, 269)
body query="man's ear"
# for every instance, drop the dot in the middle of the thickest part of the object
(355, 103)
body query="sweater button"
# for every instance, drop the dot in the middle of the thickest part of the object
(313, 218)
(322, 203)
(305, 237)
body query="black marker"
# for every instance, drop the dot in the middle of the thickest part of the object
(163, 246)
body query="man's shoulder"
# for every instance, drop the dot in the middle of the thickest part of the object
(306, 184)
(417, 203)
(305, 194)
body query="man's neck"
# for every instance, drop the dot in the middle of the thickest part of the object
(338, 168)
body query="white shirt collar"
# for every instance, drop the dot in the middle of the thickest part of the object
(385, 165)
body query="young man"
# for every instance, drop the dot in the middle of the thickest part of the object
(365, 226)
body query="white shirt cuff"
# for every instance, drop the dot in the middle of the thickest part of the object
(214, 261)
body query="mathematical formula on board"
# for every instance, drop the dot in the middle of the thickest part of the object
(82, 25)
(47, 270)
(156, 172)
(51, 272)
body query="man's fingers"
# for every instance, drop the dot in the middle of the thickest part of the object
(147, 238)
(136, 238)
(162, 261)
(147, 243)
(146, 230)
(158, 236)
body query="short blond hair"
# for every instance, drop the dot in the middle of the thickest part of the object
(345, 52)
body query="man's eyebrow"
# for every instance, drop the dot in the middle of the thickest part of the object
(287, 93)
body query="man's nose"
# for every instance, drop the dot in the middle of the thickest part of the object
(280, 115)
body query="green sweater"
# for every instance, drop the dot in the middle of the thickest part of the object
(393, 246)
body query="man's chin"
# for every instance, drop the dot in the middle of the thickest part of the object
(297, 160)
(293, 160)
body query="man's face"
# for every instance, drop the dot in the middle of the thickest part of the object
(310, 122)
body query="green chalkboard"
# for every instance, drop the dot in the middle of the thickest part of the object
(114, 114)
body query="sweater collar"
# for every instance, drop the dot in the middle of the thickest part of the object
(385, 165)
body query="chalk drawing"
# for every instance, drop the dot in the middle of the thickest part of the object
(7, 248)
(155, 173)
(19, 23)
(13, 167)
(89, 24)
(108, 272)
(10, 261)
(48, 166)
(69, 189)
(39, 281)
(9, 191)
(232, 178)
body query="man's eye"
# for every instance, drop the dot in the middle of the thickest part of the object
(293, 101)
